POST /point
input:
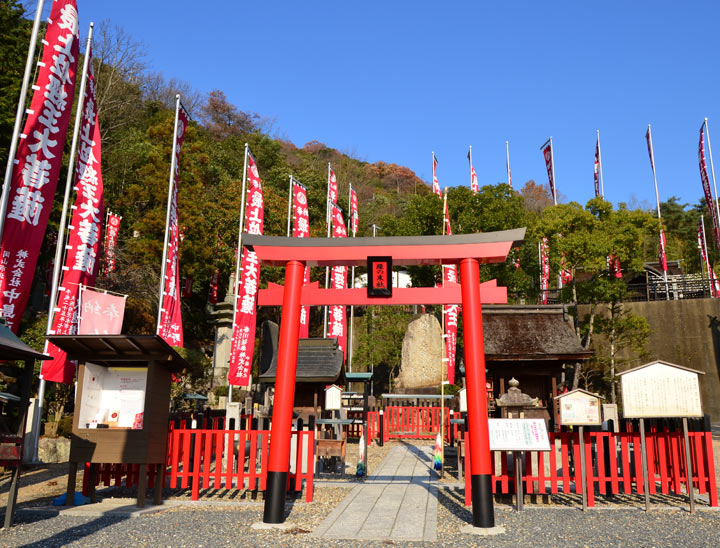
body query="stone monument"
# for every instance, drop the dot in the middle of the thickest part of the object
(422, 352)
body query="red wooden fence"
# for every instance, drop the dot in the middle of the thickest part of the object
(221, 459)
(401, 422)
(549, 472)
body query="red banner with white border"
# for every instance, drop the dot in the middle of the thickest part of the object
(544, 270)
(354, 213)
(597, 167)
(170, 326)
(451, 315)
(301, 229)
(702, 244)
(38, 161)
(436, 184)
(337, 321)
(548, 155)
(100, 313)
(242, 345)
(112, 230)
(82, 253)
(706, 187)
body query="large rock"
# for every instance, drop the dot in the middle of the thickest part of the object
(422, 354)
(54, 450)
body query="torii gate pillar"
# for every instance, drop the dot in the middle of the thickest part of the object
(281, 428)
(477, 411)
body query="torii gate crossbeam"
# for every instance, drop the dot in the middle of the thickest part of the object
(466, 250)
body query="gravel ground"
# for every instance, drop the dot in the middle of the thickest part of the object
(229, 525)
(227, 522)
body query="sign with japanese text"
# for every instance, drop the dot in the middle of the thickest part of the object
(242, 345)
(100, 313)
(112, 229)
(38, 161)
(379, 276)
(337, 320)
(658, 390)
(301, 229)
(170, 326)
(518, 435)
(82, 253)
(580, 408)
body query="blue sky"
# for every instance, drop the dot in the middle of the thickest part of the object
(393, 81)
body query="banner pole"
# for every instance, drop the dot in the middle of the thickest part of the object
(61, 237)
(290, 200)
(507, 162)
(657, 202)
(602, 185)
(352, 283)
(712, 168)
(327, 269)
(239, 250)
(19, 115)
(704, 252)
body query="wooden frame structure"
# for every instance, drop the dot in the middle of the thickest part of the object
(144, 446)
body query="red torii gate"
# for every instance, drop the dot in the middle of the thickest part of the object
(466, 250)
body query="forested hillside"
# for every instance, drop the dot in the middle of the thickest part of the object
(136, 118)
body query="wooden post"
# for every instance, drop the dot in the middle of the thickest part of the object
(689, 468)
(72, 478)
(142, 485)
(643, 451)
(583, 479)
(519, 493)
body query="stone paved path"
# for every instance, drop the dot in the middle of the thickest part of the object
(399, 502)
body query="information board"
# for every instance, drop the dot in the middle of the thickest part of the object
(580, 409)
(112, 396)
(518, 435)
(660, 390)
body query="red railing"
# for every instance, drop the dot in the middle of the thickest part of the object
(407, 422)
(225, 459)
(550, 472)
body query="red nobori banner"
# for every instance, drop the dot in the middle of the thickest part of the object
(702, 244)
(663, 257)
(354, 213)
(548, 155)
(112, 230)
(332, 187)
(597, 167)
(301, 229)
(170, 326)
(706, 187)
(82, 255)
(37, 163)
(337, 321)
(100, 313)
(214, 284)
(436, 184)
(242, 345)
(473, 176)
(451, 316)
(544, 270)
